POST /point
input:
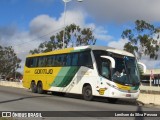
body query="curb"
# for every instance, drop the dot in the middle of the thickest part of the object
(11, 84)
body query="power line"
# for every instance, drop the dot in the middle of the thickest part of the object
(40, 36)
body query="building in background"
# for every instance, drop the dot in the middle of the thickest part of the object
(153, 74)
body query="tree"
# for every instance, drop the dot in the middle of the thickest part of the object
(143, 39)
(9, 62)
(74, 36)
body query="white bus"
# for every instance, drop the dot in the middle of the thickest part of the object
(87, 70)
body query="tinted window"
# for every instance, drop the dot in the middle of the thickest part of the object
(75, 59)
(85, 59)
(31, 62)
(68, 59)
(57, 60)
(50, 61)
(60, 60)
(72, 59)
(41, 61)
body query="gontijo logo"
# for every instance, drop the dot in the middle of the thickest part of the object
(43, 71)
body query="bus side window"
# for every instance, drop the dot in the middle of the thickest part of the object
(85, 59)
(31, 62)
(34, 62)
(75, 59)
(42, 62)
(59, 60)
(49, 61)
(28, 62)
(68, 59)
(64, 59)
(53, 61)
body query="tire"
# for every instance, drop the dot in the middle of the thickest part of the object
(112, 100)
(40, 88)
(33, 87)
(87, 93)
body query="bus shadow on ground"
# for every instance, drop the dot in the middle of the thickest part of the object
(98, 99)
(21, 98)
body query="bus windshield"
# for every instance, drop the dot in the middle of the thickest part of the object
(126, 71)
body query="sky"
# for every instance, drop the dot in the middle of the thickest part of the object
(24, 22)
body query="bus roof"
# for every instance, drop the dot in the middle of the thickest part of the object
(81, 48)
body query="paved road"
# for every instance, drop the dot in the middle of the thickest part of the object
(16, 99)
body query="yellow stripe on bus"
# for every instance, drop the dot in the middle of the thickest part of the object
(123, 87)
(67, 50)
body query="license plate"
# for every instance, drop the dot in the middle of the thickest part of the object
(128, 95)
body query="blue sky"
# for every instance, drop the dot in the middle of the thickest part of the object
(22, 21)
(21, 12)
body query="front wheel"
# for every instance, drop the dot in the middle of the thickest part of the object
(87, 93)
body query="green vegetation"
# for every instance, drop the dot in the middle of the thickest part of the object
(74, 36)
(143, 39)
(9, 62)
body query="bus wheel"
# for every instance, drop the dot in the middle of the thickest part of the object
(87, 93)
(112, 100)
(33, 87)
(40, 88)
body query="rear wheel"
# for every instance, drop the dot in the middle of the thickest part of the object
(40, 88)
(33, 87)
(87, 93)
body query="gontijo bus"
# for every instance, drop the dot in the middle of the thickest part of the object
(87, 70)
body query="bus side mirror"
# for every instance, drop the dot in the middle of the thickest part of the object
(142, 67)
(110, 59)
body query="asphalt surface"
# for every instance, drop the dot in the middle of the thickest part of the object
(16, 99)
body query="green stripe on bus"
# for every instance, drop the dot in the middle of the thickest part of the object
(69, 76)
(60, 75)
(65, 76)
(135, 88)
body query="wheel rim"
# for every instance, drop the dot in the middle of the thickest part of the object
(39, 87)
(33, 87)
(88, 93)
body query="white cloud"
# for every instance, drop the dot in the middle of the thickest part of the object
(150, 63)
(118, 44)
(24, 41)
(43, 24)
(102, 34)
(123, 10)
